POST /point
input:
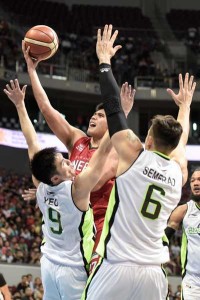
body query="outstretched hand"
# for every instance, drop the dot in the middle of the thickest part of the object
(186, 91)
(14, 93)
(104, 47)
(31, 63)
(127, 95)
(29, 194)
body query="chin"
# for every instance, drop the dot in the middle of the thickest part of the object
(195, 197)
(88, 133)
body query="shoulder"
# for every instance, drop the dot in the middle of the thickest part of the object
(181, 210)
(80, 144)
(85, 140)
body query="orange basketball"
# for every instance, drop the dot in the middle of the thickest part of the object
(43, 42)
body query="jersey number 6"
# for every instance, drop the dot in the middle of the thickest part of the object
(150, 203)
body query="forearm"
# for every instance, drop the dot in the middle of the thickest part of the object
(38, 91)
(111, 97)
(27, 128)
(184, 119)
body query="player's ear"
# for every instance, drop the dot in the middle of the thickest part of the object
(55, 179)
(148, 142)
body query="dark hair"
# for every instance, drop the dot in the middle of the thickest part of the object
(43, 164)
(166, 131)
(197, 169)
(99, 106)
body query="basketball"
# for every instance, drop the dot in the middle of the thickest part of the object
(43, 42)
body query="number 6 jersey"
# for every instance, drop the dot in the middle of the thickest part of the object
(68, 232)
(139, 206)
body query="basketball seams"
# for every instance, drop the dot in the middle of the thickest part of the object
(51, 45)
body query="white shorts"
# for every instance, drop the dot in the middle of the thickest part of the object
(190, 291)
(126, 282)
(62, 282)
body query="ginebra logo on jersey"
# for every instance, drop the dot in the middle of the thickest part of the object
(194, 230)
(80, 147)
(80, 165)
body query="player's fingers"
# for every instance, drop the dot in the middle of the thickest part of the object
(98, 35)
(193, 87)
(109, 32)
(23, 45)
(171, 93)
(24, 89)
(123, 88)
(6, 92)
(104, 36)
(32, 191)
(180, 78)
(126, 87)
(116, 48)
(12, 84)
(190, 82)
(17, 83)
(114, 36)
(133, 91)
(186, 81)
(129, 90)
(8, 88)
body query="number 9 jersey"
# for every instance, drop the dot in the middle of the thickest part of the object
(68, 232)
(140, 204)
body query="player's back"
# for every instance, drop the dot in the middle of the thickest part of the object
(139, 206)
(68, 232)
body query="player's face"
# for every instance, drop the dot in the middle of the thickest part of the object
(98, 124)
(64, 168)
(195, 183)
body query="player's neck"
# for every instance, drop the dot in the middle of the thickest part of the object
(94, 143)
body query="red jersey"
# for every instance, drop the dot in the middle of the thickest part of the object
(80, 157)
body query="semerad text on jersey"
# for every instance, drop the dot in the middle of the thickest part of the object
(151, 173)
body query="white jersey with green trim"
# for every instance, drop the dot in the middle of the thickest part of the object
(190, 248)
(139, 206)
(68, 232)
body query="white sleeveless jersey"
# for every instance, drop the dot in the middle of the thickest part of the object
(139, 206)
(68, 232)
(190, 248)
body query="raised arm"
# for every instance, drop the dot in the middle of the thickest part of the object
(88, 178)
(183, 100)
(175, 220)
(60, 127)
(126, 143)
(17, 95)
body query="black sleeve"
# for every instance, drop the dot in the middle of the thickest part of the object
(111, 99)
(2, 280)
(169, 231)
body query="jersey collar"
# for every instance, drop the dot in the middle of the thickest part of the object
(162, 155)
(197, 205)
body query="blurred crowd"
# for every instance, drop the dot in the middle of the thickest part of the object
(77, 55)
(20, 221)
